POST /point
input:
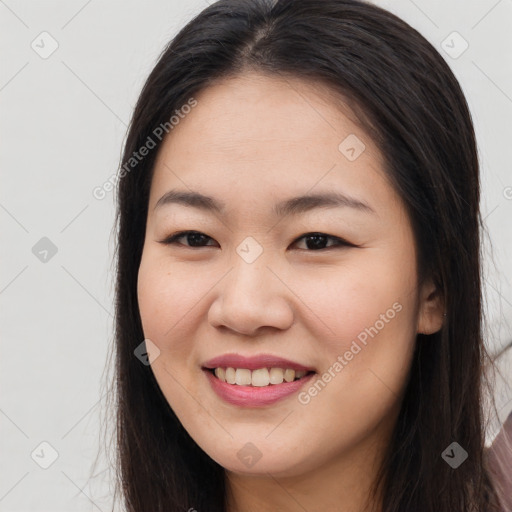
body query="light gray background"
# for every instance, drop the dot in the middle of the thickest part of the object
(62, 128)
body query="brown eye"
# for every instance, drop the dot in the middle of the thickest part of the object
(193, 238)
(318, 241)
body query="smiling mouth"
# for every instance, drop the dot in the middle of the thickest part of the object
(261, 377)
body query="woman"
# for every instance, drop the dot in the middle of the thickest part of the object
(299, 295)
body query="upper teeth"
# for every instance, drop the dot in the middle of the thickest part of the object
(260, 377)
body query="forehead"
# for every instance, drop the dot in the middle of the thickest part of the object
(256, 135)
(258, 110)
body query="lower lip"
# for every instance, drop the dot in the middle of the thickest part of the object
(254, 396)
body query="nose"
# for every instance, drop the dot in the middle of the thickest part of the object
(251, 300)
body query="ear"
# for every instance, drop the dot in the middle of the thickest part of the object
(431, 309)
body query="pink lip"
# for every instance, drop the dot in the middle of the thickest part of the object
(253, 363)
(251, 396)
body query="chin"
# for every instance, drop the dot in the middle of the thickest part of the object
(260, 458)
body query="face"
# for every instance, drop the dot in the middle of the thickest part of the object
(326, 287)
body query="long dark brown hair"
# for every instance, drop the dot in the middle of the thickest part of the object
(409, 101)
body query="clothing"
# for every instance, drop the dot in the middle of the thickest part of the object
(499, 459)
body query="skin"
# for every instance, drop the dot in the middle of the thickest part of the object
(250, 142)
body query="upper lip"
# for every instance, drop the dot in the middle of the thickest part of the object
(253, 362)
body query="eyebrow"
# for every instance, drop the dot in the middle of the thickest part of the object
(292, 206)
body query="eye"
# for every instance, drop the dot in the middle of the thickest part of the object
(317, 241)
(194, 238)
(314, 241)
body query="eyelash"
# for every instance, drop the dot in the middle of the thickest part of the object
(340, 242)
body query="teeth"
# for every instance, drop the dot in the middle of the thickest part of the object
(243, 377)
(220, 373)
(259, 378)
(230, 375)
(289, 375)
(276, 376)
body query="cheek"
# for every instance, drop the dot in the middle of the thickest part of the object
(371, 297)
(169, 305)
(166, 303)
(368, 314)
(166, 296)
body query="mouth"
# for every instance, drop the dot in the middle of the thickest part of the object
(261, 387)
(255, 381)
(260, 377)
